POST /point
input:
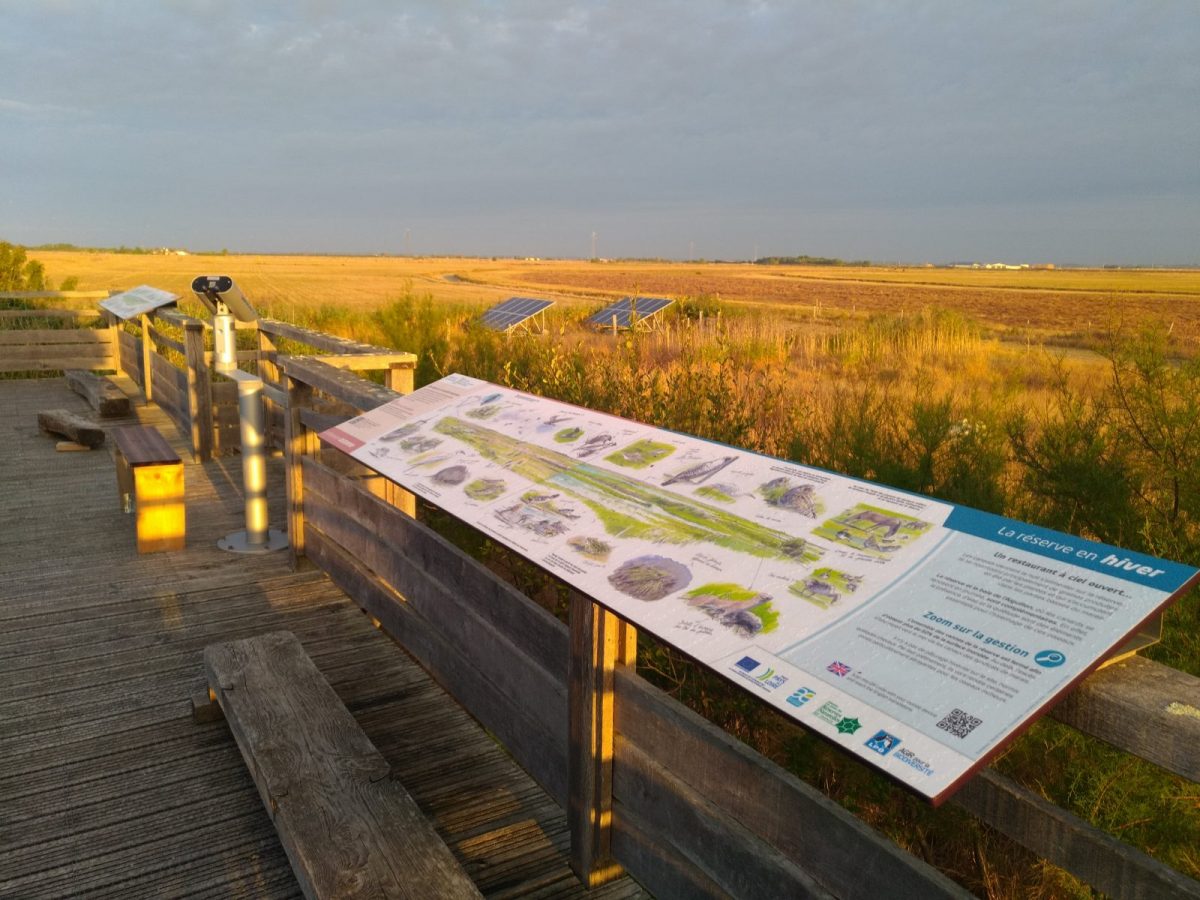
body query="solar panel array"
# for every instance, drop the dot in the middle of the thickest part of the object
(513, 312)
(627, 310)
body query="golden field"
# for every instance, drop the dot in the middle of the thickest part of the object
(946, 382)
(1062, 305)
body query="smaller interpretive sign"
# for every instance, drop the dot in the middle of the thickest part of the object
(138, 301)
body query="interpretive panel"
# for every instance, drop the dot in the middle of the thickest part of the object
(137, 301)
(918, 635)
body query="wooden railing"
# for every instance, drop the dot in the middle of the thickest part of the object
(691, 810)
(648, 785)
(169, 355)
(28, 344)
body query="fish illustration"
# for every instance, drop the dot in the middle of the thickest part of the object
(701, 471)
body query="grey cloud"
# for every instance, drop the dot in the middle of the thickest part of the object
(748, 115)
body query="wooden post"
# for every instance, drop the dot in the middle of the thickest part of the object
(600, 642)
(147, 351)
(269, 372)
(114, 345)
(199, 391)
(298, 442)
(401, 379)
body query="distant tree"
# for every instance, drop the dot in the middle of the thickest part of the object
(18, 273)
(804, 260)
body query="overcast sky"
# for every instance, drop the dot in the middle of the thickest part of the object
(942, 130)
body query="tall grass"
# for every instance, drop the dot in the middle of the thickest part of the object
(1108, 447)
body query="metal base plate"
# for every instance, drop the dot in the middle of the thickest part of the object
(237, 542)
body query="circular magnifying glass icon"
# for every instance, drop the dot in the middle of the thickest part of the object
(1048, 659)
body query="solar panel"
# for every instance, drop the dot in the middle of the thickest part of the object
(629, 311)
(513, 312)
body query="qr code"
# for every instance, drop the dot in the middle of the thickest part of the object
(959, 723)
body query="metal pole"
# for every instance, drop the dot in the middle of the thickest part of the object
(254, 466)
(258, 537)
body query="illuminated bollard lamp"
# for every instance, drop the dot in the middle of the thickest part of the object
(227, 303)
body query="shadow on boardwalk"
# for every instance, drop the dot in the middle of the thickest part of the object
(107, 787)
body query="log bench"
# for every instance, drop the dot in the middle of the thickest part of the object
(348, 827)
(150, 483)
(102, 393)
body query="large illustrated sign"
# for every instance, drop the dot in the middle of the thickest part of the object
(918, 635)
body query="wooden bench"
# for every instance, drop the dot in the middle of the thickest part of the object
(348, 827)
(150, 482)
(102, 393)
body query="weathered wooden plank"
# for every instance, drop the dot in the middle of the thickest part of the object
(407, 553)
(163, 377)
(76, 314)
(56, 363)
(400, 378)
(130, 355)
(69, 425)
(162, 339)
(497, 652)
(337, 383)
(370, 362)
(150, 701)
(344, 822)
(1142, 707)
(541, 754)
(58, 295)
(119, 635)
(46, 337)
(795, 818)
(199, 392)
(298, 443)
(177, 318)
(319, 421)
(361, 667)
(656, 863)
(94, 351)
(600, 643)
(327, 342)
(709, 838)
(1064, 839)
(144, 845)
(101, 393)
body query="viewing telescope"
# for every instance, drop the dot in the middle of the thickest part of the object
(226, 302)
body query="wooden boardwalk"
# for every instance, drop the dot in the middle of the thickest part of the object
(106, 785)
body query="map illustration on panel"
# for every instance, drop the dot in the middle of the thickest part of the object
(825, 587)
(873, 530)
(722, 493)
(568, 435)
(640, 454)
(591, 547)
(595, 444)
(484, 489)
(650, 577)
(783, 493)
(744, 611)
(700, 472)
(626, 507)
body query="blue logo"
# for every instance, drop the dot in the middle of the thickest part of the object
(802, 696)
(1049, 659)
(883, 743)
(747, 664)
